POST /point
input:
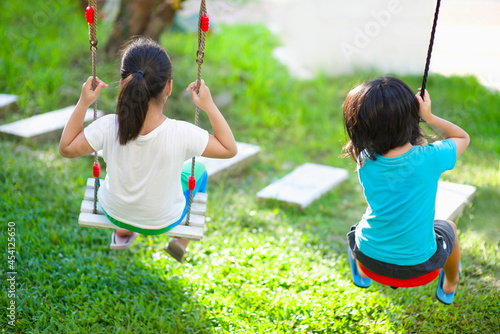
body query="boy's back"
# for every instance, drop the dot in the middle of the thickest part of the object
(401, 192)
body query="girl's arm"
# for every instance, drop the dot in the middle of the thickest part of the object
(73, 143)
(445, 128)
(221, 144)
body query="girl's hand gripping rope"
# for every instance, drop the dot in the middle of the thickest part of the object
(88, 95)
(204, 98)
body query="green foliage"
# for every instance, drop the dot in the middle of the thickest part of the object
(263, 267)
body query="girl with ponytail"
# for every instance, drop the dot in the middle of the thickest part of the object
(145, 189)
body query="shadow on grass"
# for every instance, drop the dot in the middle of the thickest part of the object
(68, 280)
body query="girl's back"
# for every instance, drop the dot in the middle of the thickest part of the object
(142, 186)
(401, 192)
(145, 151)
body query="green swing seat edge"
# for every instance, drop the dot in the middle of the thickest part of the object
(193, 231)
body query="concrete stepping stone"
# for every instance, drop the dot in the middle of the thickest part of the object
(451, 199)
(44, 126)
(7, 103)
(305, 184)
(247, 153)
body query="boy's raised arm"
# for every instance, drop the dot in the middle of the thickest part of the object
(445, 128)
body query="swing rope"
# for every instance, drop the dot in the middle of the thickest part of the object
(203, 24)
(91, 16)
(429, 51)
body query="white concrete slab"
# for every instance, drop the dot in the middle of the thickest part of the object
(305, 184)
(217, 167)
(451, 199)
(6, 99)
(7, 103)
(42, 126)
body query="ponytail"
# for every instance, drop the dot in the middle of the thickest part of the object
(132, 107)
(145, 71)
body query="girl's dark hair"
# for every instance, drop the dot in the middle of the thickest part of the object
(145, 71)
(380, 115)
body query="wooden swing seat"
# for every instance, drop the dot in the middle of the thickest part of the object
(192, 231)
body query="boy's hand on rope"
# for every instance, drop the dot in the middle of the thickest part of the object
(203, 99)
(89, 95)
(425, 105)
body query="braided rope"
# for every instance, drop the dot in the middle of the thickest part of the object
(199, 60)
(93, 48)
(429, 51)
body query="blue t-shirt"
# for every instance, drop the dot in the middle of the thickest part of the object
(398, 225)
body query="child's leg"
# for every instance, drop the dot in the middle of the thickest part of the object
(122, 233)
(350, 241)
(119, 232)
(451, 266)
(361, 273)
(183, 242)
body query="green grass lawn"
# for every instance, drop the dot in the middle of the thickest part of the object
(262, 267)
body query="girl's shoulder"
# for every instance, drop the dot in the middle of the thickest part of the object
(108, 119)
(182, 126)
(104, 123)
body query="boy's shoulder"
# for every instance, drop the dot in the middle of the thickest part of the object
(440, 145)
(441, 153)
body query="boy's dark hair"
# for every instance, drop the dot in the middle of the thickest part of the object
(380, 115)
(145, 71)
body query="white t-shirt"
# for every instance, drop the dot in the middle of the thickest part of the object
(143, 178)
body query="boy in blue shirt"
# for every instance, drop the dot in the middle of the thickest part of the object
(397, 236)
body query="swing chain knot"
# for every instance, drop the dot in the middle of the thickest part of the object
(199, 57)
(93, 44)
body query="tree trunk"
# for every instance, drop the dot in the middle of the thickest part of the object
(140, 17)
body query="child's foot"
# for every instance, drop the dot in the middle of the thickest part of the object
(357, 279)
(443, 296)
(118, 241)
(176, 250)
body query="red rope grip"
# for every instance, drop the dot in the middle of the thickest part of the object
(89, 14)
(97, 169)
(191, 183)
(205, 22)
